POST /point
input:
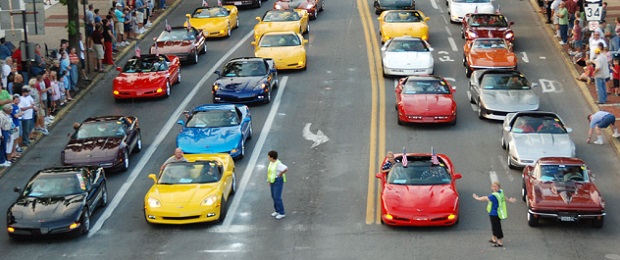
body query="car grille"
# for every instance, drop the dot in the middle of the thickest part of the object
(181, 218)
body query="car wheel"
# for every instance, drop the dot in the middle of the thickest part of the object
(167, 89)
(468, 71)
(138, 146)
(471, 100)
(597, 223)
(233, 189)
(250, 132)
(223, 210)
(532, 221)
(204, 48)
(453, 122)
(237, 23)
(399, 121)
(307, 28)
(179, 75)
(322, 6)
(258, 4)
(125, 165)
(268, 98)
(462, 33)
(503, 143)
(85, 222)
(229, 32)
(104, 195)
(242, 150)
(464, 61)
(523, 191)
(377, 11)
(315, 14)
(508, 160)
(480, 115)
(195, 57)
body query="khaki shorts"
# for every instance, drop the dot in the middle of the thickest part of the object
(120, 28)
(140, 17)
(99, 51)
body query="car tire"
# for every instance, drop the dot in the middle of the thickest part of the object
(258, 4)
(532, 221)
(138, 146)
(228, 32)
(167, 94)
(268, 98)
(462, 33)
(204, 48)
(453, 121)
(523, 192)
(399, 121)
(242, 150)
(508, 160)
(85, 222)
(480, 115)
(250, 132)
(598, 223)
(322, 6)
(468, 71)
(503, 143)
(315, 14)
(104, 196)
(377, 11)
(237, 23)
(125, 165)
(223, 210)
(464, 61)
(195, 60)
(233, 188)
(471, 100)
(179, 75)
(308, 28)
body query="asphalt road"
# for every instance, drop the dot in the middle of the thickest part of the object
(331, 193)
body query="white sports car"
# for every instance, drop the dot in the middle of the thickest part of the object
(405, 56)
(457, 9)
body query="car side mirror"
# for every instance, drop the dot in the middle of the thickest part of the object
(511, 23)
(379, 18)
(305, 41)
(380, 175)
(426, 18)
(253, 43)
(153, 177)
(258, 18)
(507, 128)
(119, 69)
(188, 15)
(218, 73)
(453, 89)
(457, 176)
(431, 49)
(180, 122)
(569, 130)
(383, 48)
(17, 189)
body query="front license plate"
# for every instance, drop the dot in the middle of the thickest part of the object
(238, 3)
(568, 218)
(420, 218)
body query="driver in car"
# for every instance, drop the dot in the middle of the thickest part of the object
(572, 174)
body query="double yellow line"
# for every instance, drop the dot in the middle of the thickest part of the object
(377, 119)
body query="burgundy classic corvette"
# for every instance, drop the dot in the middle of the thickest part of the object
(185, 43)
(312, 6)
(106, 141)
(486, 26)
(562, 189)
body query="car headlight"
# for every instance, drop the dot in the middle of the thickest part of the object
(277, 7)
(216, 87)
(472, 34)
(310, 6)
(261, 86)
(509, 35)
(234, 150)
(154, 203)
(209, 201)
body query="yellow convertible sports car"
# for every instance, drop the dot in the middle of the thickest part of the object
(397, 23)
(282, 21)
(216, 21)
(287, 49)
(191, 192)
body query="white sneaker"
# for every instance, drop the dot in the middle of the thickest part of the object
(616, 135)
(51, 117)
(126, 43)
(562, 43)
(280, 216)
(598, 142)
(5, 164)
(274, 214)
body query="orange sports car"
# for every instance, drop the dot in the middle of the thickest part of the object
(488, 53)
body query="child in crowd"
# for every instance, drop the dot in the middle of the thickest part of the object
(588, 72)
(56, 91)
(615, 73)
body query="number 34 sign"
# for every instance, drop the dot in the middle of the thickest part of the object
(593, 11)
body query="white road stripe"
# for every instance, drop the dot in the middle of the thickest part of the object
(452, 44)
(434, 4)
(249, 169)
(448, 30)
(159, 138)
(493, 176)
(444, 19)
(525, 59)
(503, 163)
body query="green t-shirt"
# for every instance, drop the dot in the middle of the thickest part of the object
(564, 19)
(4, 96)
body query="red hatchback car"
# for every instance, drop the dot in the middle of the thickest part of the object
(425, 99)
(562, 189)
(420, 192)
(147, 76)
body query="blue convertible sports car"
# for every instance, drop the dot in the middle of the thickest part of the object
(216, 128)
(246, 80)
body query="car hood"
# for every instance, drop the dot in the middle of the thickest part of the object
(510, 100)
(239, 84)
(490, 32)
(209, 140)
(408, 60)
(427, 198)
(411, 29)
(461, 9)
(302, 4)
(280, 53)
(173, 47)
(92, 148)
(181, 194)
(263, 27)
(47, 209)
(427, 104)
(492, 58)
(533, 146)
(576, 195)
(210, 24)
(140, 80)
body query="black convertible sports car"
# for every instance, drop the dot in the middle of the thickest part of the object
(246, 80)
(56, 201)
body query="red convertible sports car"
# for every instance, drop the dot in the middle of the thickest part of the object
(486, 26)
(425, 99)
(312, 6)
(561, 188)
(420, 191)
(185, 43)
(147, 76)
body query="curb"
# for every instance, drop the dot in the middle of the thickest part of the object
(615, 143)
(90, 86)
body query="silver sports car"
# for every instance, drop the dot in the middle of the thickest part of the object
(499, 92)
(528, 136)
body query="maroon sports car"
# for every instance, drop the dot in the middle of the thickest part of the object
(486, 26)
(185, 43)
(312, 6)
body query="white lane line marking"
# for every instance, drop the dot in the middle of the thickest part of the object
(493, 176)
(452, 44)
(448, 30)
(445, 20)
(525, 59)
(220, 251)
(434, 4)
(542, 57)
(249, 169)
(502, 163)
(158, 139)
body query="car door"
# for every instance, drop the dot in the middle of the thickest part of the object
(244, 123)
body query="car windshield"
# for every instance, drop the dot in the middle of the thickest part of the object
(101, 129)
(419, 173)
(213, 118)
(45, 186)
(471, 1)
(562, 173)
(245, 69)
(487, 20)
(210, 12)
(426, 87)
(538, 124)
(177, 34)
(146, 64)
(489, 44)
(281, 16)
(190, 173)
(407, 45)
(280, 40)
(504, 81)
(403, 17)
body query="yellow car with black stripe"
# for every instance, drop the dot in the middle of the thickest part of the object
(216, 21)
(287, 49)
(191, 192)
(282, 21)
(396, 23)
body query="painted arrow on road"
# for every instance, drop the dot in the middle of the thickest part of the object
(317, 138)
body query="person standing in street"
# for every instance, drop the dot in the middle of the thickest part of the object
(598, 121)
(276, 177)
(601, 73)
(496, 208)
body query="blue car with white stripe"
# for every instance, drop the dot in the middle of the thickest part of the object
(216, 128)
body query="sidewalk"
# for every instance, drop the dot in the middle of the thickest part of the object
(589, 90)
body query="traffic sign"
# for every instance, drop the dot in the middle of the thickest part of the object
(593, 12)
(40, 28)
(6, 17)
